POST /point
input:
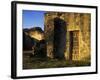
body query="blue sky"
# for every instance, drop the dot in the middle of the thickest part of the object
(33, 18)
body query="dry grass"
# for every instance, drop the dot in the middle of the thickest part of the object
(37, 63)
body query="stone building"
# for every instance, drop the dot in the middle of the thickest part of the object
(77, 35)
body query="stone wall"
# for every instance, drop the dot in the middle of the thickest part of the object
(75, 21)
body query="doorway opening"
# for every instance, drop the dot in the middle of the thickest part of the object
(74, 45)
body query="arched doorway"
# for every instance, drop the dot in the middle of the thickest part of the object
(59, 37)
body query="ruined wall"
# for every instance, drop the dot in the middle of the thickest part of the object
(85, 36)
(49, 33)
(75, 21)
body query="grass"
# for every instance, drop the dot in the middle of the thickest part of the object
(37, 63)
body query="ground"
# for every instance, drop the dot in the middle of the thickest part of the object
(37, 63)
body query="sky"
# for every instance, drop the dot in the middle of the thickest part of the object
(33, 18)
